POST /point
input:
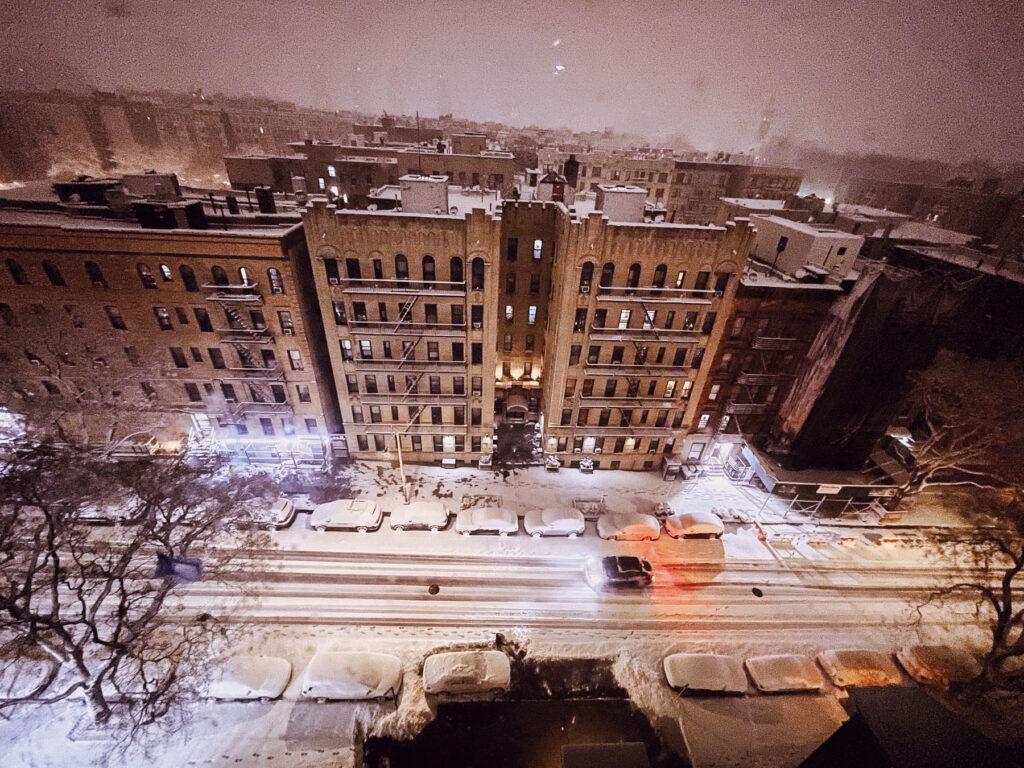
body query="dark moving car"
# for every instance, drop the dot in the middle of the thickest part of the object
(617, 571)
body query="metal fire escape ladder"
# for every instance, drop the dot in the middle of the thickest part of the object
(245, 354)
(408, 355)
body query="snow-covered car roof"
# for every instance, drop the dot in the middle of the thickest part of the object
(349, 511)
(938, 664)
(352, 675)
(626, 519)
(778, 674)
(697, 517)
(488, 669)
(860, 669)
(705, 672)
(250, 677)
(425, 513)
(485, 515)
(561, 517)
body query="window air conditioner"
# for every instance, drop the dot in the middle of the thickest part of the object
(288, 331)
(333, 280)
(584, 289)
(597, 450)
(577, 450)
(477, 326)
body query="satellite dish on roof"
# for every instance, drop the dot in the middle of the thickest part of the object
(454, 210)
(371, 207)
(659, 218)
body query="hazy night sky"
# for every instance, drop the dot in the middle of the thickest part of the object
(920, 78)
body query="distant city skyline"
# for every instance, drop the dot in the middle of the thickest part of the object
(917, 79)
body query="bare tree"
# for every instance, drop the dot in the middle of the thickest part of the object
(970, 425)
(996, 546)
(970, 431)
(89, 598)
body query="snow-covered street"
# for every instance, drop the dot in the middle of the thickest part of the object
(787, 586)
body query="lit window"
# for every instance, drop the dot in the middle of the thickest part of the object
(508, 312)
(649, 318)
(713, 394)
(685, 390)
(538, 246)
(295, 359)
(323, 184)
(624, 318)
(532, 316)
(670, 388)
(703, 422)
(331, 172)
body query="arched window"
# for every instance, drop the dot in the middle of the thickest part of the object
(477, 269)
(166, 274)
(276, 283)
(455, 270)
(188, 277)
(220, 277)
(245, 277)
(633, 277)
(148, 281)
(607, 273)
(17, 272)
(401, 269)
(659, 276)
(53, 272)
(429, 273)
(586, 277)
(92, 269)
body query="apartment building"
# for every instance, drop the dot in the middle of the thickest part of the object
(408, 301)
(200, 333)
(637, 310)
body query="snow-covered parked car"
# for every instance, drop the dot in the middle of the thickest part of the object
(938, 664)
(346, 515)
(243, 678)
(420, 515)
(628, 526)
(560, 521)
(467, 672)
(700, 524)
(784, 673)
(352, 675)
(487, 520)
(268, 515)
(860, 669)
(705, 673)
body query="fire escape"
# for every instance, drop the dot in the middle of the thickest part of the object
(247, 337)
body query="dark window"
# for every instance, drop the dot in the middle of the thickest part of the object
(586, 277)
(610, 386)
(53, 272)
(382, 311)
(17, 273)
(659, 276)
(401, 269)
(475, 417)
(432, 350)
(220, 277)
(574, 354)
(607, 273)
(603, 417)
(477, 352)
(429, 273)
(134, 359)
(582, 417)
(476, 385)
(435, 414)
(188, 278)
(268, 427)
(455, 270)
(530, 342)
(192, 390)
(370, 382)
(362, 442)
(216, 357)
(476, 315)
(566, 417)
(617, 355)
(379, 443)
(435, 385)
(709, 322)
(178, 355)
(375, 415)
(698, 358)
(689, 321)
(92, 269)
(116, 321)
(510, 282)
(680, 356)
(580, 323)
(534, 284)
(702, 281)
(459, 385)
(460, 415)
(721, 282)
(458, 314)
(594, 354)
(203, 319)
(458, 351)
(633, 277)
(512, 248)
(334, 275)
(357, 414)
(478, 274)
(278, 392)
